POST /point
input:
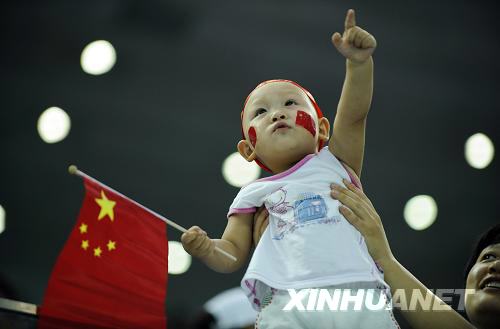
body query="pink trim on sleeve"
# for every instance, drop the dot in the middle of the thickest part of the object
(241, 211)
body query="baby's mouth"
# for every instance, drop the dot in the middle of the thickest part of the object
(280, 125)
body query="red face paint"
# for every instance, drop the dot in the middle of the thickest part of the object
(252, 135)
(305, 120)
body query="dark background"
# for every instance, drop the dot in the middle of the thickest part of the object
(158, 125)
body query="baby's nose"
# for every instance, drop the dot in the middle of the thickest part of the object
(279, 115)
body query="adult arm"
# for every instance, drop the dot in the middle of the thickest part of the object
(359, 211)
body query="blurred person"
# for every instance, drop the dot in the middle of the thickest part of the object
(229, 309)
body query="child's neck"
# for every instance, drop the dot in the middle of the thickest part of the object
(280, 165)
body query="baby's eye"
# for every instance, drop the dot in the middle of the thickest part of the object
(260, 111)
(290, 102)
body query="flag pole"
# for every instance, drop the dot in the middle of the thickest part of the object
(73, 170)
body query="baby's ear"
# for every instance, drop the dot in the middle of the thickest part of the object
(324, 129)
(246, 151)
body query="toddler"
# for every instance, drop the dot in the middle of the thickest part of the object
(308, 243)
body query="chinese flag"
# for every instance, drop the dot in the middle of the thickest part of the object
(112, 272)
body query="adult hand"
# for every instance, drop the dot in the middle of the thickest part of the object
(355, 43)
(359, 211)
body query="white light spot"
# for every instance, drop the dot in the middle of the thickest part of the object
(479, 151)
(179, 260)
(98, 57)
(2, 219)
(420, 212)
(238, 171)
(53, 125)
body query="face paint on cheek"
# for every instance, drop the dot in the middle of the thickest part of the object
(252, 134)
(305, 120)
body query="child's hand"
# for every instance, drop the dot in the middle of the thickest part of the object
(196, 242)
(355, 44)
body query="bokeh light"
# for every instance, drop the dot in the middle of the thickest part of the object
(2, 219)
(239, 172)
(179, 260)
(420, 212)
(98, 57)
(53, 125)
(479, 151)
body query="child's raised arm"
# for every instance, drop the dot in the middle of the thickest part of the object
(348, 139)
(236, 240)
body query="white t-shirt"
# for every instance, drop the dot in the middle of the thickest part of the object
(308, 242)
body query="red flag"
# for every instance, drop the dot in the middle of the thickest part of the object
(112, 272)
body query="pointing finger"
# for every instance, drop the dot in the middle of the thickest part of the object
(350, 19)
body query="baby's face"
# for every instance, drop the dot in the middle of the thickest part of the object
(280, 123)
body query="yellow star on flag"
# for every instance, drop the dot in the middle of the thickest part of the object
(83, 228)
(106, 207)
(85, 244)
(111, 245)
(97, 252)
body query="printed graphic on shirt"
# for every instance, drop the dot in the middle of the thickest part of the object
(277, 204)
(309, 208)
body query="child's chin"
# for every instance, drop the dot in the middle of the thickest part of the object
(293, 148)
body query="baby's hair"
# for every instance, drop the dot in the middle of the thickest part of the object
(309, 96)
(488, 238)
